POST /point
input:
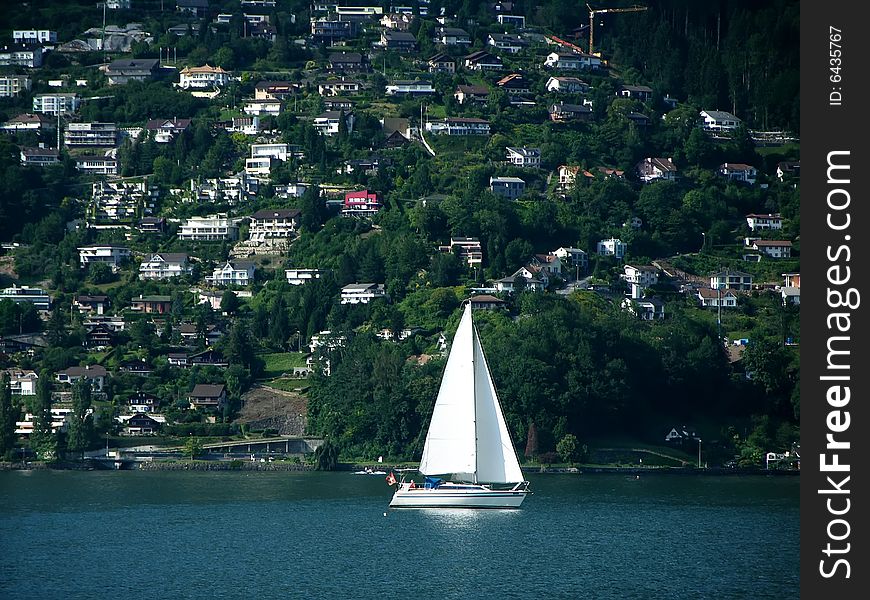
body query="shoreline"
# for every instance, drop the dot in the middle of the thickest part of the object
(277, 466)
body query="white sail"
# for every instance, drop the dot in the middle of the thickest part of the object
(467, 436)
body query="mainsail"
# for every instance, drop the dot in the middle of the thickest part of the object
(467, 436)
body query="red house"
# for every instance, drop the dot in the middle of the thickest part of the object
(362, 203)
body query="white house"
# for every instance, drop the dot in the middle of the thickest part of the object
(759, 222)
(271, 223)
(277, 151)
(12, 85)
(212, 228)
(710, 298)
(506, 41)
(34, 36)
(163, 265)
(507, 187)
(718, 120)
(573, 257)
(654, 169)
(568, 85)
(524, 157)
(452, 36)
(731, 280)
(112, 255)
(517, 282)
(327, 123)
(22, 382)
(414, 87)
(468, 249)
(95, 373)
(362, 293)
(739, 172)
(338, 87)
(571, 61)
(53, 104)
(773, 248)
(646, 309)
(458, 126)
(204, 77)
(640, 278)
(302, 276)
(233, 272)
(34, 295)
(471, 93)
(612, 247)
(262, 107)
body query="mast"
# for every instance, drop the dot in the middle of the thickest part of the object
(474, 390)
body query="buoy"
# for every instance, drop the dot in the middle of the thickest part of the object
(385, 514)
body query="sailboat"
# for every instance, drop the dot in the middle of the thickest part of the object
(468, 459)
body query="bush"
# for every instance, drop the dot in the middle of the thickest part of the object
(548, 458)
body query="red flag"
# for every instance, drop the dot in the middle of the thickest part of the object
(391, 479)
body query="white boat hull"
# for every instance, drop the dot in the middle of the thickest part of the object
(457, 496)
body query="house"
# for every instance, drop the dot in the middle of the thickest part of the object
(213, 228)
(33, 295)
(34, 36)
(458, 126)
(55, 104)
(125, 70)
(362, 293)
(758, 222)
(409, 88)
(719, 120)
(99, 337)
(276, 90)
(611, 247)
(204, 77)
(509, 188)
(233, 272)
(635, 92)
(206, 396)
(59, 421)
(513, 84)
(328, 123)
(468, 249)
(790, 295)
(96, 374)
(112, 255)
(773, 248)
(177, 359)
(397, 132)
(38, 157)
(483, 61)
(572, 257)
(566, 85)
(163, 265)
(571, 61)
(91, 305)
(29, 122)
(78, 135)
(13, 85)
(568, 176)
(398, 21)
(680, 435)
(28, 343)
(165, 130)
(115, 201)
(517, 283)
(372, 166)
(152, 304)
(272, 223)
(442, 63)
(140, 424)
(338, 87)
(655, 169)
(508, 42)
(197, 8)
(452, 36)
(524, 157)
(277, 151)
(400, 41)
(645, 309)
(346, 61)
(788, 169)
(22, 382)
(18, 55)
(548, 263)
(151, 225)
(210, 356)
(562, 112)
(638, 119)
(136, 367)
(739, 172)
(710, 298)
(792, 279)
(471, 93)
(361, 204)
(731, 280)
(639, 278)
(518, 21)
(325, 30)
(610, 172)
(335, 103)
(485, 302)
(302, 276)
(95, 164)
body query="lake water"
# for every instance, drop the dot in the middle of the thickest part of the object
(137, 534)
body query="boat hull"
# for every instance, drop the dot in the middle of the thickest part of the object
(449, 496)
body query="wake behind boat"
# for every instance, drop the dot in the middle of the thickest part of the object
(468, 440)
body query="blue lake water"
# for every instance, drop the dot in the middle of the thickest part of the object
(137, 534)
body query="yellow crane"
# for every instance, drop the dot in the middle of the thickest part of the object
(601, 11)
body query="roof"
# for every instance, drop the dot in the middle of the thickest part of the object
(86, 371)
(133, 64)
(170, 123)
(711, 293)
(276, 213)
(573, 108)
(152, 298)
(473, 90)
(206, 68)
(485, 298)
(360, 287)
(772, 243)
(523, 151)
(727, 272)
(39, 152)
(206, 390)
(636, 88)
(399, 36)
(664, 164)
(442, 57)
(30, 118)
(393, 124)
(737, 167)
(719, 115)
(505, 180)
(170, 256)
(355, 57)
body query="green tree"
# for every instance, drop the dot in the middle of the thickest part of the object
(193, 447)
(8, 417)
(81, 426)
(43, 441)
(229, 302)
(567, 448)
(326, 456)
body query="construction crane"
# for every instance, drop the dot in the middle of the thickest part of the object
(601, 11)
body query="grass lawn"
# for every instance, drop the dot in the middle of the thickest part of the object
(278, 363)
(288, 385)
